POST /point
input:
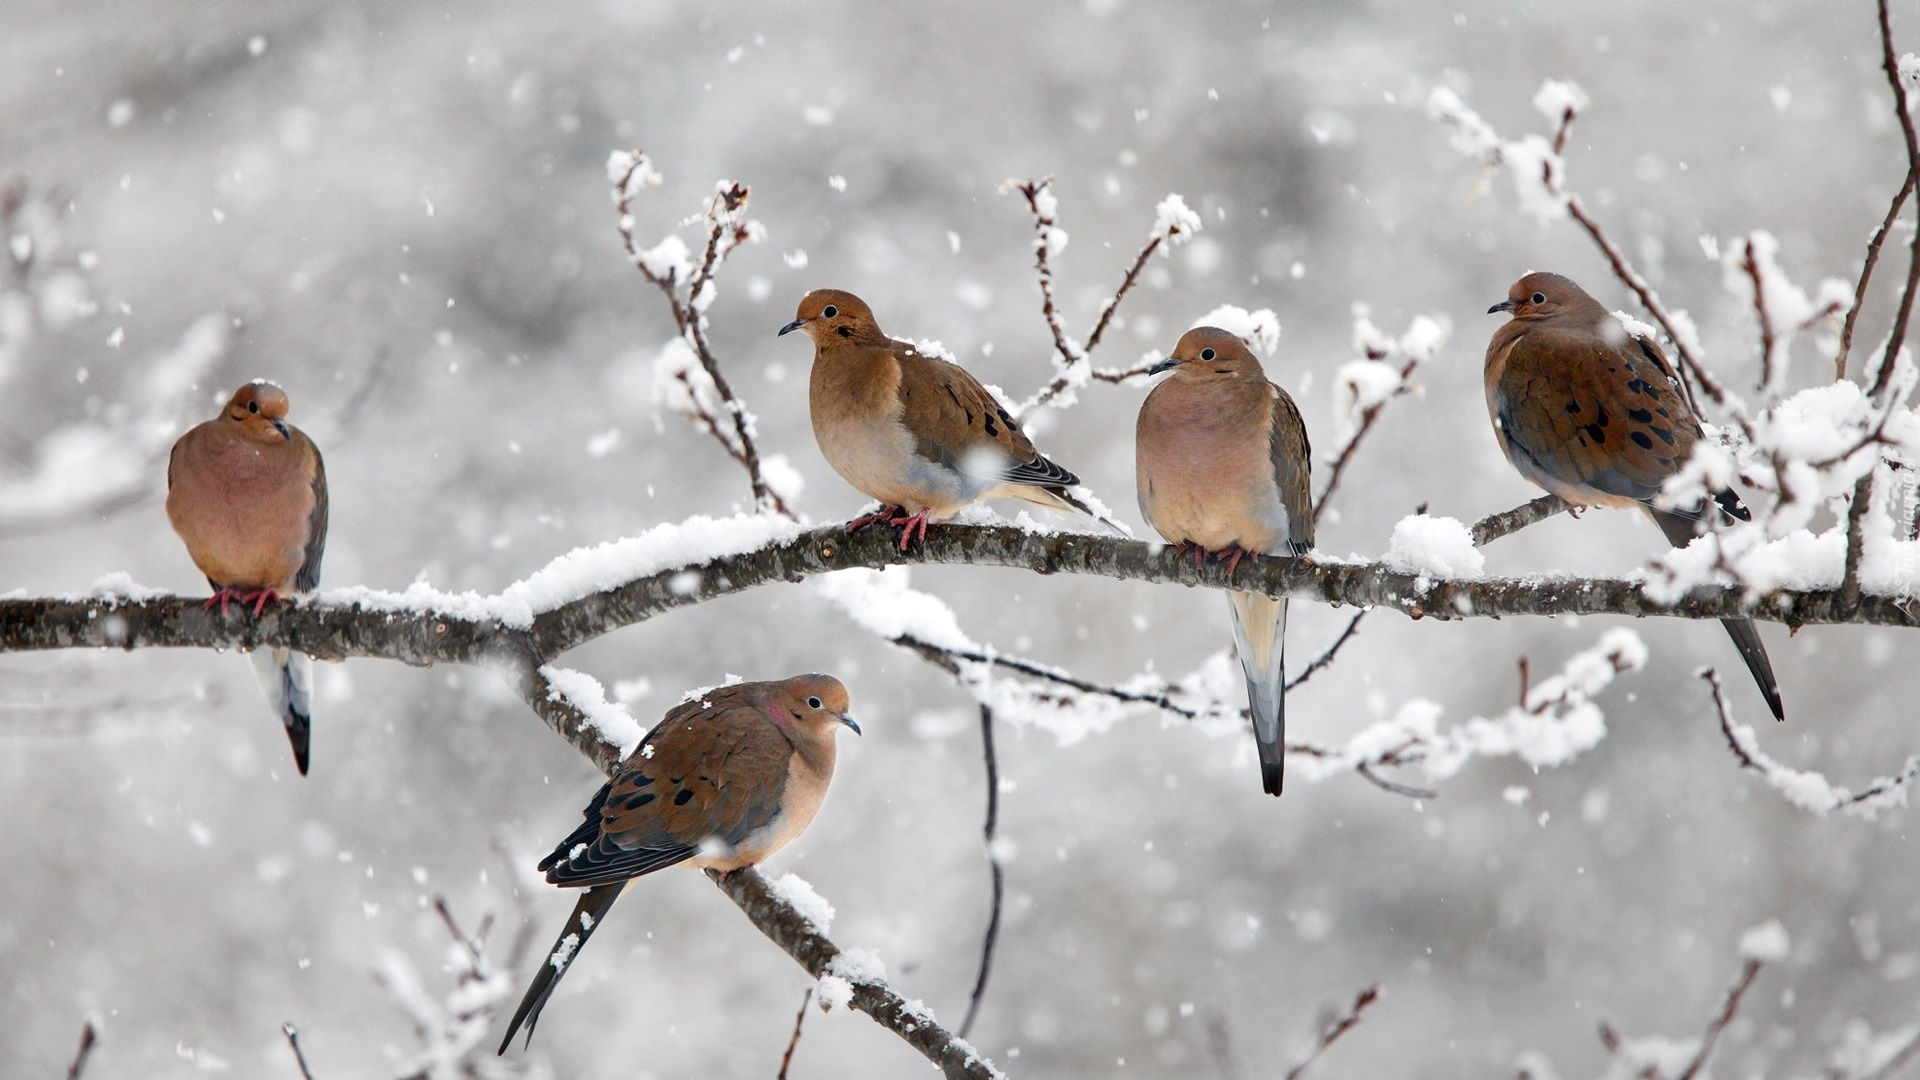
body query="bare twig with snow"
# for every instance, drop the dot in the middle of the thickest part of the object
(1657, 1057)
(699, 396)
(1333, 1028)
(786, 927)
(1072, 361)
(1540, 176)
(1363, 387)
(1890, 63)
(1809, 791)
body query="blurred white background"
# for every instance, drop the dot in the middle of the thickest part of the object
(401, 214)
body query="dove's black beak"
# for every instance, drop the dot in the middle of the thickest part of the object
(1168, 364)
(844, 718)
(1504, 305)
(281, 427)
(791, 327)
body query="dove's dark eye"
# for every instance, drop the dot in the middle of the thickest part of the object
(813, 703)
(829, 311)
(1539, 298)
(253, 406)
(1206, 354)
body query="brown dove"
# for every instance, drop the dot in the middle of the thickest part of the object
(1221, 466)
(248, 493)
(724, 780)
(914, 431)
(1596, 416)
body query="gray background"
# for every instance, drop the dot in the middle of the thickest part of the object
(167, 872)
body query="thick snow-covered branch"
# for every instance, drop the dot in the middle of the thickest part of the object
(423, 627)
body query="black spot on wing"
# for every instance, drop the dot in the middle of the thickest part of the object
(1640, 416)
(1640, 439)
(681, 797)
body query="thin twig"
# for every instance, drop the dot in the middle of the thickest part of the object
(1749, 970)
(88, 1036)
(793, 1043)
(949, 659)
(1325, 658)
(1072, 355)
(1367, 418)
(1339, 1025)
(1752, 266)
(1849, 599)
(723, 234)
(1886, 791)
(1899, 199)
(1866, 275)
(1890, 63)
(993, 863)
(1494, 526)
(293, 1039)
(1689, 365)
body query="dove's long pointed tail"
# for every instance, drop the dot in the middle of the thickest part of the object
(1259, 631)
(587, 915)
(286, 679)
(1680, 531)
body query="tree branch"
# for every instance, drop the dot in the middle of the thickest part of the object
(1749, 970)
(991, 829)
(1890, 63)
(89, 1035)
(399, 627)
(1334, 1028)
(790, 930)
(1494, 526)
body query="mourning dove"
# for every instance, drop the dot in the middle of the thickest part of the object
(1596, 416)
(914, 431)
(1221, 466)
(248, 493)
(724, 780)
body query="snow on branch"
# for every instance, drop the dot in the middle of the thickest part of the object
(856, 973)
(1553, 723)
(687, 375)
(1808, 790)
(424, 627)
(1782, 310)
(1362, 387)
(1174, 224)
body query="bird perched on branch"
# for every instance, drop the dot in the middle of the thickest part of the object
(914, 431)
(247, 491)
(1221, 466)
(726, 779)
(1595, 416)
